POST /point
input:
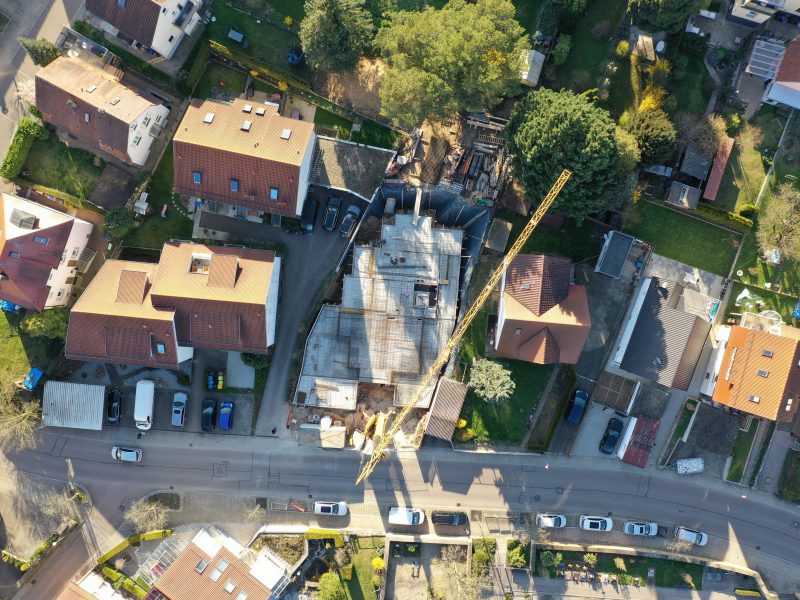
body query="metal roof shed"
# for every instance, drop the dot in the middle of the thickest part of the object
(73, 405)
(615, 252)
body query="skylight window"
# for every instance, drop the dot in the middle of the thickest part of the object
(762, 373)
(201, 566)
(208, 118)
(197, 177)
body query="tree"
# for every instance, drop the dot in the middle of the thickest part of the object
(377, 564)
(331, 587)
(452, 581)
(491, 381)
(659, 72)
(779, 223)
(561, 49)
(550, 131)
(670, 15)
(629, 153)
(19, 418)
(41, 51)
(571, 9)
(146, 515)
(705, 133)
(257, 361)
(654, 133)
(549, 559)
(59, 506)
(118, 222)
(51, 323)
(464, 56)
(255, 514)
(622, 48)
(335, 33)
(590, 559)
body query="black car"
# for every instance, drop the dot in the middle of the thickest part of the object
(349, 220)
(309, 216)
(113, 405)
(209, 414)
(441, 517)
(611, 437)
(331, 213)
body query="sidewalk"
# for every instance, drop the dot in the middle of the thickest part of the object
(562, 588)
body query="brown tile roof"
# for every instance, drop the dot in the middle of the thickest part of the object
(63, 96)
(446, 409)
(258, 158)
(748, 372)
(541, 349)
(26, 276)
(718, 169)
(134, 18)
(538, 281)
(127, 329)
(181, 581)
(789, 70)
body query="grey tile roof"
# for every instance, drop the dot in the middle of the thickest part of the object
(683, 195)
(446, 409)
(666, 341)
(343, 165)
(614, 254)
(696, 164)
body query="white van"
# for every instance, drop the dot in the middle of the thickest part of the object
(143, 408)
(406, 516)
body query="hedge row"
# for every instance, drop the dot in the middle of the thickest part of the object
(134, 540)
(117, 579)
(42, 548)
(199, 64)
(261, 70)
(724, 217)
(325, 534)
(27, 132)
(22, 565)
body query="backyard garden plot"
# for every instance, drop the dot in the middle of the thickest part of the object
(53, 164)
(784, 278)
(766, 300)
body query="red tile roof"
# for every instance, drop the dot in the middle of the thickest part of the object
(538, 281)
(789, 70)
(718, 169)
(135, 18)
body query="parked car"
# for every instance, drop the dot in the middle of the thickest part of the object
(349, 220)
(548, 521)
(331, 213)
(443, 517)
(226, 415)
(309, 216)
(211, 379)
(690, 535)
(611, 436)
(406, 516)
(578, 407)
(179, 401)
(636, 528)
(126, 454)
(208, 415)
(331, 508)
(596, 523)
(113, 405)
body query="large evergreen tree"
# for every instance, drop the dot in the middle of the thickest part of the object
(463, 57)
(550, 131)
(335, 33)
(669, 15)
(654, 132)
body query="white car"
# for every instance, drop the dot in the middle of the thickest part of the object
(690, 535)
(338, 509)
(126, 454)
(637, 528)
(548, 521)
(406, 516)
(596, 523)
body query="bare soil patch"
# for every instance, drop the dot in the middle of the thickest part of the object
(357, 89)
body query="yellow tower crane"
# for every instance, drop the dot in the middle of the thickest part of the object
(441, 360)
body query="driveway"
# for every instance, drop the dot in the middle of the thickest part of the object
(592, 429)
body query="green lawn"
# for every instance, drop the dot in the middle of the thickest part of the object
(620, 96)
(758, 272)
(769, 301)
(692, 92)
(686, 416)
(740, 452)
(287, 8)
(669, 573)
(265, 43)
(359, 587)
(683, 238)
(573, 241)
(222, 78)
(328, 119)
(528, 13)
(53, 164)
(154, 231)
(21, 352)
(589, 52)
(375, 134)
(789, 487)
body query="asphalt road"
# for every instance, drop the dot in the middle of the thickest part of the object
(432, 478)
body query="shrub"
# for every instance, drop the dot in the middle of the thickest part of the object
(461, 423)
(622, 48)
(735, 123)
(256, 361)
(111, 574)
(198, 68)
(27, 132)
(723, 217)
(376, 581)
(118, 221)
(347, 572)
(325, 534)
(377, 564)
(748, 210)
(464, 434)
(562, 49)
(518, 554)
(590, 559)
(34, 110)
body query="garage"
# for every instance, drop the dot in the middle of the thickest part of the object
(73, 405)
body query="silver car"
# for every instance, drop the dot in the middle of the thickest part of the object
(179, 408)
(549, 521)
(637, 528)
(126, 454)
(697, 538)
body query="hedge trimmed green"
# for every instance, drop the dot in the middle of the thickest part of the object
(223, 51)
(134, 539)
(138, 588)
(28, 131)
(724, 217)
(198, 67)
(325, 534)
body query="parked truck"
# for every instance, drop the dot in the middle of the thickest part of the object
(143, 408)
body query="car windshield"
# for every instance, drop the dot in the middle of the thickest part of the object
(414, 518)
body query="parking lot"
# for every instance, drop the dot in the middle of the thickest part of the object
(592, 429)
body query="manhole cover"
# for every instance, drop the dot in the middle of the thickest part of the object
(220, 470)
(796, 524)
(536, 498)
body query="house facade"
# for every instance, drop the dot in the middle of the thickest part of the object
(92, 105)
(755, 12)
(542, 317)
(42, 251)
(154, 25)
(197, 296)
(243, 159)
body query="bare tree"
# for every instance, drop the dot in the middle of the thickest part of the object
(705, 133)
(679, 546)
(779, 223)
(19, 417)
(59, 506)
(255, 514)
(144, 515)
(456, 583)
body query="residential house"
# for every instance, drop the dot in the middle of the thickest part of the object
(755, 12)
(157, 25)
(542, 318)
(760, 373)
(665, 333)
(42, 251)
(91, 105)
(243, 159)
(197, 296)
(784, 90)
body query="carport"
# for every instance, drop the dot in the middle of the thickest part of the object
(638, 442)
(73, 405)
(614, 391)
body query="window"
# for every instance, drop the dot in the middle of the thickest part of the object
(241, 595)
(75, 251)
(145, 121)
(40, 240)
(767, 353)
(60, 293)
(198, 177)
(234, 185)
(136, 140)
(14, 254)
(755, 399)
(518, 331)
(172, 37)
(273, 193)
(525, 286)
(219, 570)
(158, 118)
(121, 3)
(201, 566)
(230, 586)
(87, 117)
(762, 373)
(161, 348)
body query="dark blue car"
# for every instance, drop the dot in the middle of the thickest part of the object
(226, 415)
(578, 407)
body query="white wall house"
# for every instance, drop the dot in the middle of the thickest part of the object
(176, 19)
(305, 172)
(144, 130)
(272, 301)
